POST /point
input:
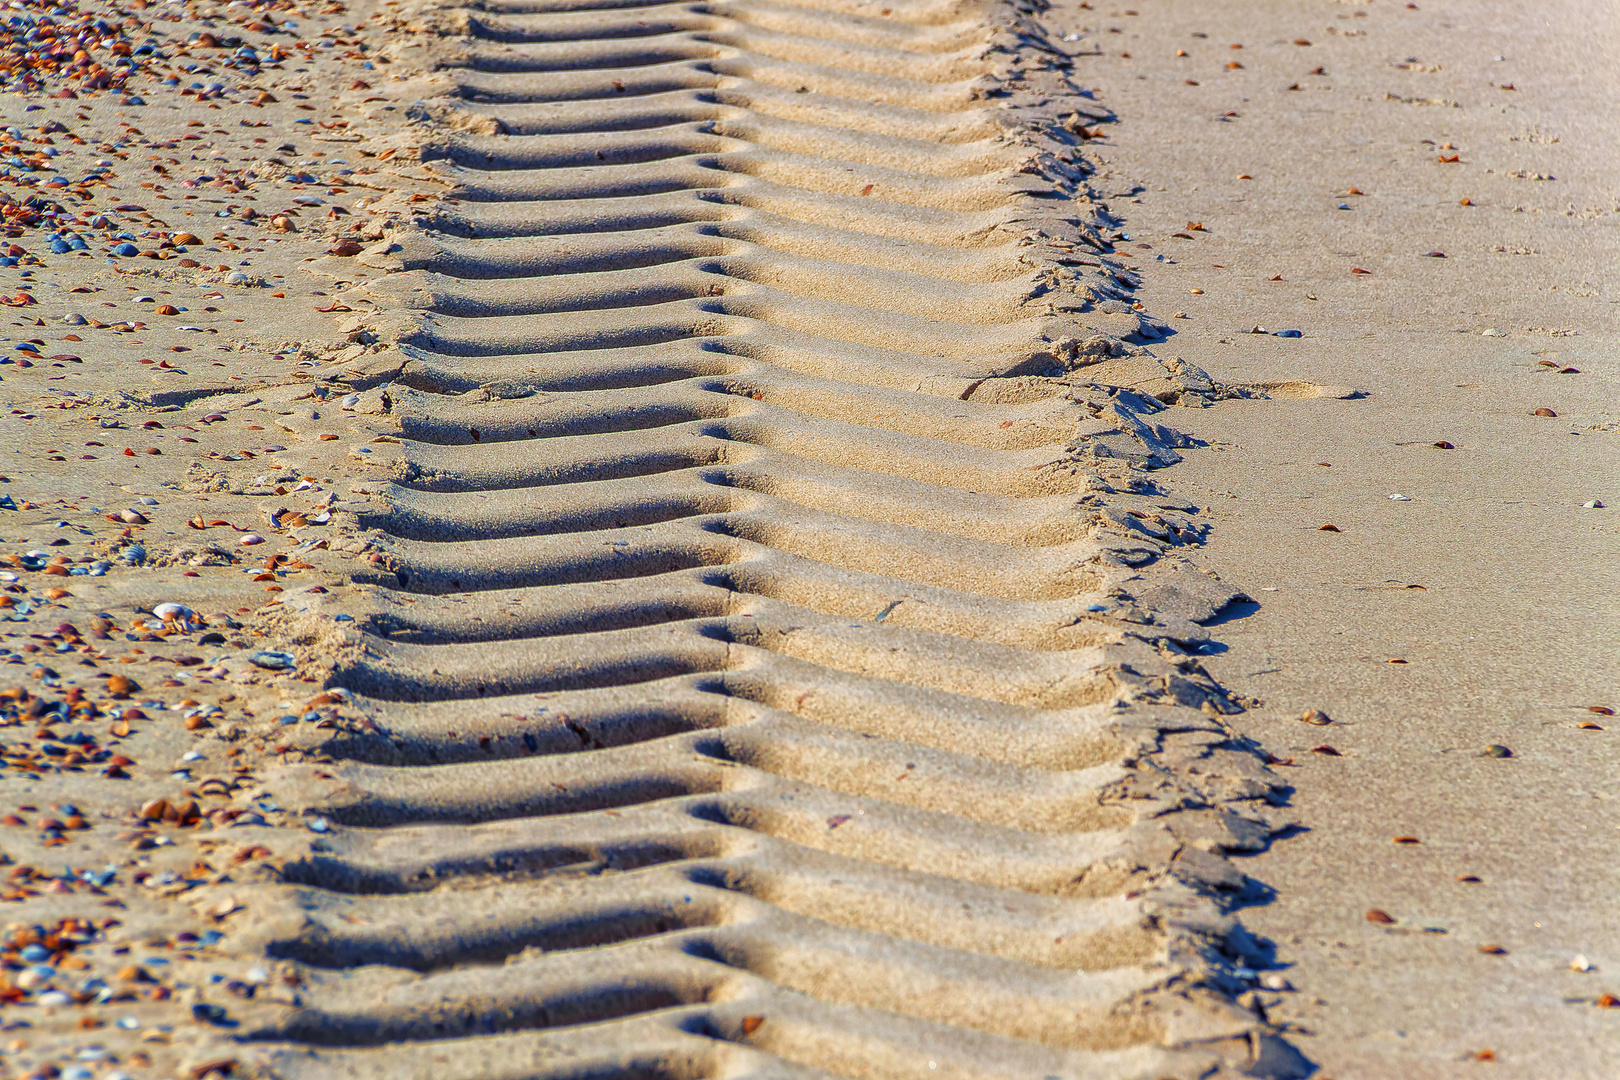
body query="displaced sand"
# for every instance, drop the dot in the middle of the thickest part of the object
(1513, 633)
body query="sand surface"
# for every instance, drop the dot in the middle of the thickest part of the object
(1512, 636)
(713, 540)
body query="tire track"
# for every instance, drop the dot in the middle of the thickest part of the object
(781, 663)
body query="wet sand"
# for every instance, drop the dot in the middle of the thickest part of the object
(1493, 583)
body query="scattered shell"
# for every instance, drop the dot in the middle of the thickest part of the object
(1381, 917)
(1592, 504)
(1398, 497)
(171, 610)
(1271, 980)
(1316, 717)
(1497, 750)
(1492, 332)
(1493, 950)
(1581, 964)
(250, 539)
(1543, 412)
(273, 659)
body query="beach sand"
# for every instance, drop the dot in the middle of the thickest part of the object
(1493, 583)
(762, 539)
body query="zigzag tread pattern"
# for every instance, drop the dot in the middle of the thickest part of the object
(783, 662)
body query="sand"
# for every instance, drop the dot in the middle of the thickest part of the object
(758, 565)
(1511, 637)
